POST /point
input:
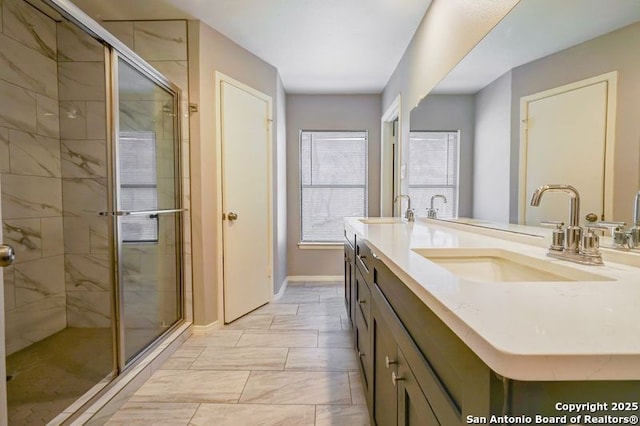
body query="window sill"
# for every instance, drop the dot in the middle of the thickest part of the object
(320, 246)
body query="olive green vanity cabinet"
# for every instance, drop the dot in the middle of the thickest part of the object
(401, 385)
(416, 371)
(349, 271)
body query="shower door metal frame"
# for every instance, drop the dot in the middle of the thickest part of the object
(115, 49)
(114, 195)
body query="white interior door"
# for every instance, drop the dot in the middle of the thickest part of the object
(245, 200)
(566, 144)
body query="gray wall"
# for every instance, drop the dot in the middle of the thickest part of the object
(492, 151)
(619, 50)
(451, 112)
(210, 51)
(327, 112)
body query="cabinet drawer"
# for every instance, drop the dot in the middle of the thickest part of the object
(350, 239)
(364, 259)
(363, 298)
(363, 349)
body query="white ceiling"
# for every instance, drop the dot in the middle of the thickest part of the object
(318, 46)
(530, 32)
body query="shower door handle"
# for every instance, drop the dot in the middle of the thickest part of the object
(142, 212)
(7, 255)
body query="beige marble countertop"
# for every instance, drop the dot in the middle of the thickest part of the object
(580, 330)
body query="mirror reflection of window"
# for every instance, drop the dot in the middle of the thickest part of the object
(433, 170)
(138, 186)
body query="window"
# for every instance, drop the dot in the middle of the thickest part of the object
(138, 186)
(433, 170)
(333, 183)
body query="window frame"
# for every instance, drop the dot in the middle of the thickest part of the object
(338, 243)
(456, 187)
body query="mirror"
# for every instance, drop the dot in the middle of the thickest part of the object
(551, 95)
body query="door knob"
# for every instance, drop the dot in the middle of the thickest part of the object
(591, 217)
(7, 255)
(232, 216)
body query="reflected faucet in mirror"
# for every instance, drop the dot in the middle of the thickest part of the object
(577, 247)
(623, 238)
(432, 212)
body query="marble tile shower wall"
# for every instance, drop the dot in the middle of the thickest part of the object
(83, 148)
(31, 167)
(54, 168)
(164, 45)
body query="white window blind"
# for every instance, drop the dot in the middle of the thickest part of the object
(433, 170)
(138, 185)
(333, 182)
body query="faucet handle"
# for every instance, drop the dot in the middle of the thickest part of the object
(557, 237)
(609, 225)
(591, 242)
(613, 227)
(557, 223)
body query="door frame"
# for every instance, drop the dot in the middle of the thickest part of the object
(3, 360)
(218, 227)
(611, 78)
(387, 191)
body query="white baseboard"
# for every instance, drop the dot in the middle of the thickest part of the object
(305, 278)
(283, 288)
(202, 328)
(319, 278)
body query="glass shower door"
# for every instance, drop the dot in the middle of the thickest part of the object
(146, 182)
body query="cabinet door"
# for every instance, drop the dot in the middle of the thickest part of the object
(384, 365)
(413, 407)
(348, 273)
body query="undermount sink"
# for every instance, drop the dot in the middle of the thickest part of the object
(381, 220)
(498, 265)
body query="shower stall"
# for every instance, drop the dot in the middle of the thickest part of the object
(91, 203)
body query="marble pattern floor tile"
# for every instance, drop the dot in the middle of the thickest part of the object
(322, 309)
(145, 413)
(297, 387)
(175, 363)
(219, 338)
(286, 363)
(352, 415)
(357, 391)
(322, 359)
(254, 414)
(335, 339)
(241, 359)
(278, 339)
(251, 321)
(297, 298)
(319, 322)
(192, 386)
(277, 309)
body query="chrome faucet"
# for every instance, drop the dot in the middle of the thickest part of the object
(432, 212)
(573, 245)
(409, 214)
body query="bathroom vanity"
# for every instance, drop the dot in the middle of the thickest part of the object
(454, 324)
